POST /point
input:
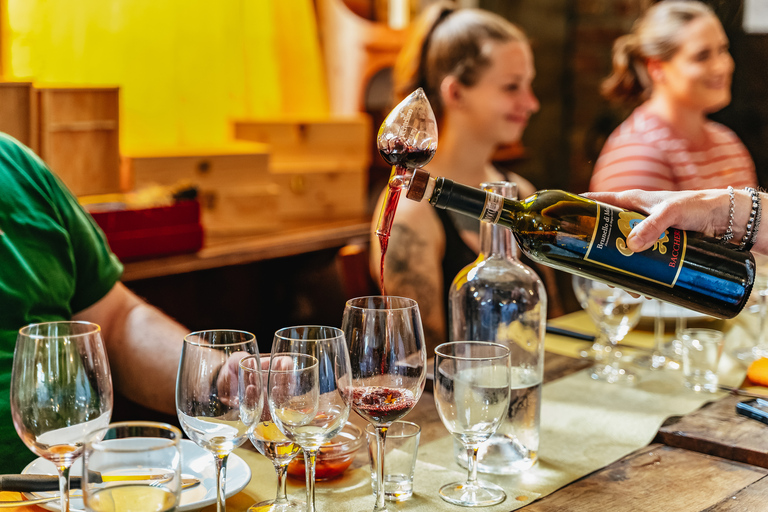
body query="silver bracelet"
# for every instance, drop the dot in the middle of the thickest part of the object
(753, 223)
(729, 232)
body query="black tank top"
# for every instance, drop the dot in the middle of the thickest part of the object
(457, 256)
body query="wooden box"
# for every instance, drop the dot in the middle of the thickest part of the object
(341, 142)
(18, 112)
(79, 137)
(236, 191)
(321, 165)
(152, 232)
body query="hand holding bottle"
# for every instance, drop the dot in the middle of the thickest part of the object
(705, 211)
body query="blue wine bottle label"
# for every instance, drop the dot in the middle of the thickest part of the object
(659, 264)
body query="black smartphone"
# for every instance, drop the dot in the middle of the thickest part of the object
(756, 409)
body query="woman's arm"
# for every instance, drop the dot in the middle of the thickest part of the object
(705, 211)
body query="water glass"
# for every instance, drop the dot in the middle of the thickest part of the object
(702, 349)
(400, 450)
(117, 454)
(472, 386)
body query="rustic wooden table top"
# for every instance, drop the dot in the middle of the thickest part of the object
(710, 460)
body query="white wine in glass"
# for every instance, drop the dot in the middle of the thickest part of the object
(264, 434)
(61, 390)
(308, 373)
(124, 449)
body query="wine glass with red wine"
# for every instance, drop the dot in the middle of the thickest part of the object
(388, 357)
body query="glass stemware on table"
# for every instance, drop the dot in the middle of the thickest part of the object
(615, 312)
(124, 450)
(61, 390)
(207, 400)
(388, 355)
(264, 434)
(309, 372)
(472, 390)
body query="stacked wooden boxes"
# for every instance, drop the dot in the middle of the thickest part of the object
(75, 130)
(235, 191)
(320, 166)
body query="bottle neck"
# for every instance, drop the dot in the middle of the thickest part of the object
(496, 241)
(487, 206)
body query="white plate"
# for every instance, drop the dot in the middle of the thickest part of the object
(196, 463)
(668, 311)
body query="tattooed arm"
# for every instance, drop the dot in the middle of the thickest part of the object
(413, 265)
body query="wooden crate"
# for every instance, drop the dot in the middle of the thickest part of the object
(79, 137)
(321, 195)
(340, 142)
(321, 165)
(18, 112)
(236, 192)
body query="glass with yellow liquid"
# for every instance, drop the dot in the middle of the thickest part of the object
(132, 466)
(265, 435)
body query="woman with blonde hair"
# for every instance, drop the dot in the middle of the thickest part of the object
(476, 69)
(676, 62)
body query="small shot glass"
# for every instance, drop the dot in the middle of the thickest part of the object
(400, 450)
(702, 349)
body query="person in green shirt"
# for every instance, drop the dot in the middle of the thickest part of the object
(55, 264)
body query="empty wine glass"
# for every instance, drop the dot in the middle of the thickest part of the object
(207, 401)
(596, 352)
(265, 435)
(61, 390)
(615, 312)
(308, 372)
(388, 356)
(472, 386)
(123, 450)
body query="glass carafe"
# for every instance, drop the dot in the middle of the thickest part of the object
(498, 299)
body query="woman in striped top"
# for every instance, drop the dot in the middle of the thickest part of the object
(676, 59)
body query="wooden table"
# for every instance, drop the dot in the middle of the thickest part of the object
(710, 460)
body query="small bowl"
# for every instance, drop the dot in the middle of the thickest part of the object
(334, 457)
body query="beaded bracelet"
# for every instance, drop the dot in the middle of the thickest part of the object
(750, 236)
(729, 232)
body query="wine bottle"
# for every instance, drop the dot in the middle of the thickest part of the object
(585, 237)
(497, 298)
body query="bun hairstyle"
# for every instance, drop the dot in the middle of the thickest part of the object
(446, 40)
(655, 35)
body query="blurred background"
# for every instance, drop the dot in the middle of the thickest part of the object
(268, 109)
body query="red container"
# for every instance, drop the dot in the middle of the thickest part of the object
(151, 232)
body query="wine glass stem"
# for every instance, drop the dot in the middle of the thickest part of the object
(658, 330)
(282, 494)
(310, 457)
(472, 465)
(64, 487)
(381, 437)
(221, 475)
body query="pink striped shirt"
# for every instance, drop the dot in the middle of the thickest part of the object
(645, 153)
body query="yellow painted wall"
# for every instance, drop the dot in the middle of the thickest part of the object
(185, 67)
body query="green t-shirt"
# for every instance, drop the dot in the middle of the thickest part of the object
(54, 262)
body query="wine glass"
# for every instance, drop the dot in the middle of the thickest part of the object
(308, 372)
(388, 356)
(61, 389)
(207, 401)
(615, 312)
(597, 351)
(265, 435)
(472, 386)
(124, 450)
